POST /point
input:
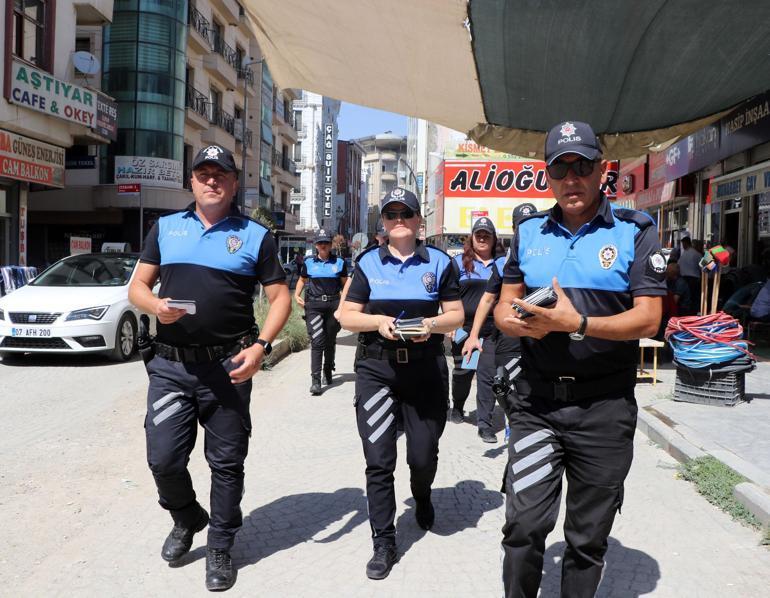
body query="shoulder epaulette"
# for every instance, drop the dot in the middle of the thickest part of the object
(641, 219)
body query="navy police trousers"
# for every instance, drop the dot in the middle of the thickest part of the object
(592, 441)
(322, 327)
(417, 394)
(180, 396)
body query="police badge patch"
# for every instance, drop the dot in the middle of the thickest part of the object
(657, 262)
(234, 243)
(397, 192)
(607, 256)
(429, 281)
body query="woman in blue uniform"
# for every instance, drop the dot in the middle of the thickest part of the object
(398, 375)
(476, 264)
(324, 275)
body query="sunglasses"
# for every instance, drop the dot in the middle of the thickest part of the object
(581, 167)
(396, 214)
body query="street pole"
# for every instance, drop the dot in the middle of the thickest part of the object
(141, 217)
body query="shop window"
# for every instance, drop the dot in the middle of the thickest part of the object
(33, 31)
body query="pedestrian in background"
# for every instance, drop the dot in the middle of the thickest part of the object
(322, 277)
(206, 354)
(688, 259)
(400, 377)
(574, 409)
(475, 264)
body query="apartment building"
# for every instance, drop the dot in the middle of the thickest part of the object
(385, 168)
(53, 115)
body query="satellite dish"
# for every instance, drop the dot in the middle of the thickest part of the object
(86, 63)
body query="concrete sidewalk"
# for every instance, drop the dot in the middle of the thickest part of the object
(738, 436)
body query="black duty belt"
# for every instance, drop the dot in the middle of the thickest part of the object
(201, 354)
(568, 388)
(324, 298)
(399, 355)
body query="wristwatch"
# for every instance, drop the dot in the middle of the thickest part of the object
(265, 345)
(580, 333)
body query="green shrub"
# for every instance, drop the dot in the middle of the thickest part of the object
(716, 482)
(294, 330)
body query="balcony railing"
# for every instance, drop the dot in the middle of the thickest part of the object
(198, 22)
(246, 74)
(223, 120)
(289, 165)
(224, 50)
(197, 101)
(247, 139)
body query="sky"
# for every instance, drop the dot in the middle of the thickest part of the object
(357, 121)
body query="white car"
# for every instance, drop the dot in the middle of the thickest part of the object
(78, 305)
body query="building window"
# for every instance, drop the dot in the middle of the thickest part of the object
(82, 44)
(30, 19)
(215, 103)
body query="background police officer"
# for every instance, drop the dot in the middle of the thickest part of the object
(575, 409)
(322, 276)
(476, 264)
(506, 349)
(210, 254)
(406, 377)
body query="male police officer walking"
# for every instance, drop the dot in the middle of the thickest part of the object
(204, 360)
(323, 277)
(575, 408)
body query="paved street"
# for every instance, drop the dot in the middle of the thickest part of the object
(80, 516)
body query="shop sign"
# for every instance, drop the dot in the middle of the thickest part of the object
(80, 245)
(509, 179)
(609, 184)
(746, 126)
(749, 182)
(158, 172)
(25, 159)
(80, 163)
(328, 171)
(458, 213)
(654, 196)
(106, 117)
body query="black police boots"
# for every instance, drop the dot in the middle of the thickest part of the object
(424, 513)
(220, 574)
(487, 435)
(328, 375)
(315, 386)
(382, 561)
(180, 539)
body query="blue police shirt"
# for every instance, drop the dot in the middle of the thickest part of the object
(388, 286)
(601, 267)
(323, 277)
(218, 268)
(473, 283)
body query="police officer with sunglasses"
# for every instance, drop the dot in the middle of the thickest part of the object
(400, 375)
(574, 410)
(323, 277)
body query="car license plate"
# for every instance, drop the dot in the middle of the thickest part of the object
(30, 331)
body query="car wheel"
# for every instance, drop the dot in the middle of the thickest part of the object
(125, 338)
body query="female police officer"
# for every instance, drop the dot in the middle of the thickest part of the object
(324, 275)
(398, 376)
(476, 265)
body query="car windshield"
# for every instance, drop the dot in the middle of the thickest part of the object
(88, 270)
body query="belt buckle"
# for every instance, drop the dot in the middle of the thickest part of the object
(562, 388)
(402, 355)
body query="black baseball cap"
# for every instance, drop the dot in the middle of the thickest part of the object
(215, 154)
(524, 209)
(484, 223)
(322, 237)
(571, 137)
(400, 195)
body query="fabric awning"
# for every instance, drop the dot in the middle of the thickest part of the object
(504, 71)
